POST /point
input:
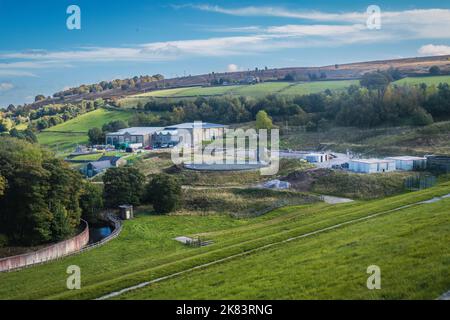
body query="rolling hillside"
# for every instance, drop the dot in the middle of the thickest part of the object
(331, 263)
(67, 135)
(351, 71)
(256, 91)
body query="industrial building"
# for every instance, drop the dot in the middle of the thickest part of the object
(372, 165)
(407, 163)
(188, 133)
(134, 135)
(317, 157)
(438, 164)
(197, 131)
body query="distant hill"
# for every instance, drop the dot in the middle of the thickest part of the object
(408, 67)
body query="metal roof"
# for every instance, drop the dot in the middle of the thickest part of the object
(191, 125)
(101, 165)
(406, 158)
(137, 131)
(371, 161)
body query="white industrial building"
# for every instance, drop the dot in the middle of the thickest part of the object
(372, 165)
(407, 163)
(134, 135)
(317, 157)
(187, 133)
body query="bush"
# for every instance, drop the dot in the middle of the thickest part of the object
(123, 186)
(91, 202)
(164, 193)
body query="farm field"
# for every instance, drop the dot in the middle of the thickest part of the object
(64, 137)
(304, 268)
(96, 118)
(257, 90)
(433, 80)
(319, 86)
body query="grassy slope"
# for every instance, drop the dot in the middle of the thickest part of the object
(145, 250)
(66, 136)
(383, 141)
(258, 90)
(90, 120)
(262, 89)
(435, 80)
(410, 247)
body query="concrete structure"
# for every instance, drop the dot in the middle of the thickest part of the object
(168, 136)
(317, 157)
(277, 184)
(126, 212)
(132, 135)
(407, 163)
(196, 131)
(52, 252)
(371, 165)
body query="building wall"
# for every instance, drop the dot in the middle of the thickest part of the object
(119, 139)
(362, 167)
(55, 251)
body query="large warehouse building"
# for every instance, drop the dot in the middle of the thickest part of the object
(168, 136)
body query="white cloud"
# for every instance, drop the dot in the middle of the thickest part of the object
(434, 50)
(281, 12)
(343, 28)
(5, 86)
(16, 73)
(232, 67)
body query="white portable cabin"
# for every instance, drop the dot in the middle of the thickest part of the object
(316, 157)
(372, 165)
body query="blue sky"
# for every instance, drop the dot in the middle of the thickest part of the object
(120, 39)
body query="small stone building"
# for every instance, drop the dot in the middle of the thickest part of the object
(126, 212)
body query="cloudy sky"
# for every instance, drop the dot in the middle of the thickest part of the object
(119, 39)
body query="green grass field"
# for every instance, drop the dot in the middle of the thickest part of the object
(409, 245)
(64, 137)
(90, 120)
(319, 86)
(257, 90)
(434, 80)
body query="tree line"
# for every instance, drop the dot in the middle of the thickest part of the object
(42, 199)
(376, 103)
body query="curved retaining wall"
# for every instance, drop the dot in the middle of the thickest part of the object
(52, 252)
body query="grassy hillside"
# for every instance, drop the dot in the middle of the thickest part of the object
(410, 246)
(90, 120)
(434, 80)
(430, 139)
(262, 89)
(257, 90)
(64, 137)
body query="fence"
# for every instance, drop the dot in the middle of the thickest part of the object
(52, 253)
